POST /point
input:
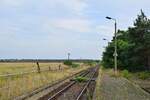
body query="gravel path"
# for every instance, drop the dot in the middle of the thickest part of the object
(120, 89)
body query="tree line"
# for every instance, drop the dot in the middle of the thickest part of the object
(133, 46)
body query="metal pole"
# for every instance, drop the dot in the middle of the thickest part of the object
(115, 47)
(115, 52)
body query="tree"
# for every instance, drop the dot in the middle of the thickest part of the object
(133, 46)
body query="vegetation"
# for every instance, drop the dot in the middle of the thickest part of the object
(133, 47)
(126, 74)
(68, 62)
(90, 63)
(144, 75)
(75, 65)
(71, 64)
(16, 67)
(80, 79)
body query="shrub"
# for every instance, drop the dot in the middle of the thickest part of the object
(89, 63)
(126, 74)
(144, 75)
(80, 79)
(68, 62)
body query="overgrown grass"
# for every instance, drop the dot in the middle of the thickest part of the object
(126, 74)
(143, 75)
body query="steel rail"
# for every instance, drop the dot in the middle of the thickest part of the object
(86, 86)
(25, 96)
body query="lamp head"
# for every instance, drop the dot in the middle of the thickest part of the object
(108, 17)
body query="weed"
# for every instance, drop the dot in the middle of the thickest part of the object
(144, 75)
(126, 74)
(80, 79)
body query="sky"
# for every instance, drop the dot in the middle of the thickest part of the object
(49, 29)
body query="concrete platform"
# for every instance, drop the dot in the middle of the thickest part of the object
(113, 88)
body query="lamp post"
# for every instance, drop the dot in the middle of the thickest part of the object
(115, 52)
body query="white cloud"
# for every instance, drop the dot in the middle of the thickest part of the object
(73, 25)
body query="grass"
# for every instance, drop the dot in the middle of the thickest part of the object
(80, 79)
(126, 74)
(143, 75)
(11, 87)
(10, 68)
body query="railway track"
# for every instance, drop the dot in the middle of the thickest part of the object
(74, 90)
(37, 93)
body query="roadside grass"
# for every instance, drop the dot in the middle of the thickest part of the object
(143, 75)
(11, 87)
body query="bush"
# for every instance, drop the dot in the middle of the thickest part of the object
(89, 63)
(75, 65)
(126, 74)
(144, 75)
(68, 62)
(80, 79)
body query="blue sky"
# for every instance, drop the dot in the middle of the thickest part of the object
(52, 28)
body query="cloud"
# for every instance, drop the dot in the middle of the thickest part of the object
(71, 25)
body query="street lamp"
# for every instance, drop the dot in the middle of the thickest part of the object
(115, 52)
(106, 40)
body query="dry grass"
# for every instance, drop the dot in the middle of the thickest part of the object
(10, 68)
(11, 87)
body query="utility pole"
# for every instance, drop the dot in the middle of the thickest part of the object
(115, 53)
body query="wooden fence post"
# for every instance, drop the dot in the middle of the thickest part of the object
(59, 66)
(49, 68)
(38, 67)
